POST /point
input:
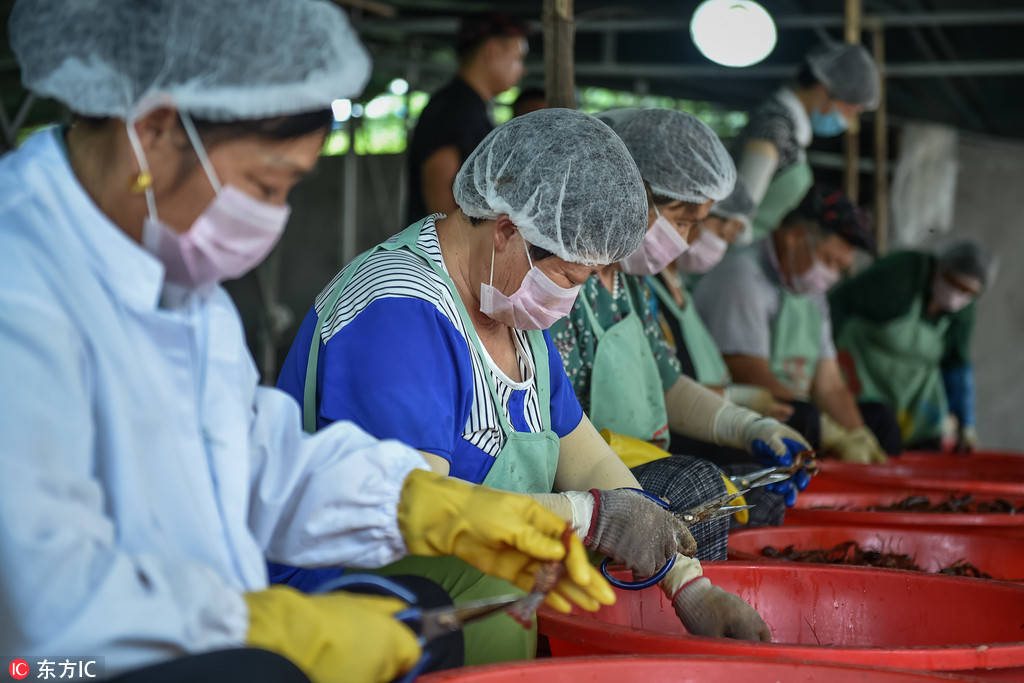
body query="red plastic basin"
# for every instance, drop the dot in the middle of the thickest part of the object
(836, 614)
(850, 508)
(1000, 476)
(678, 669)
(1002, 558)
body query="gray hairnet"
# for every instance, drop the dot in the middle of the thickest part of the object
(564, 179)
(848, 71)
(969, 258)
(677, 154)
(220, 60)
(738, 206)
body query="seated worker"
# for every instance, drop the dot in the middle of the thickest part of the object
(701, 360)
(491, 47)
(436, 338)
(698, 356)
(765, 308)
(837, 81)
(620, 365)
(903, 329)
(147, 477)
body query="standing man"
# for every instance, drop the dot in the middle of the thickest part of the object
(766, 309)
(837, 82)
(491, 48)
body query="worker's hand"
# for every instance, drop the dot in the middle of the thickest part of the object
(860, 446)
(773, 442)
(506, 535)
(758, 399)
(966, 440)
(333, 637)
(630, 528)
(707, 610)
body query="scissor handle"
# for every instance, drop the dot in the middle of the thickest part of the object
(636, 585)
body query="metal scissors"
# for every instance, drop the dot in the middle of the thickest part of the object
(705, 512)
(804, 460)
(434, 622)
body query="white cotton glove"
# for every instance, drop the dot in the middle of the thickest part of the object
(709, 611)
(762, 436)
(751, 396)
(967, 440)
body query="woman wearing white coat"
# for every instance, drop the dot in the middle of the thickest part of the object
(146, 477)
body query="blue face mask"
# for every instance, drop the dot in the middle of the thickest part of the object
(828, 125)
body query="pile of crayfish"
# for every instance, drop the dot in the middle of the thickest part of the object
(850, 553)
(962, 504)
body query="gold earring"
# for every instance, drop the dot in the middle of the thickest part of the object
(140, 183)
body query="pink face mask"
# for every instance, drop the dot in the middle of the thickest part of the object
(947, 297)
(704, 254)
(228, 239)
(661, 246)
(537, 305)
(818, 279)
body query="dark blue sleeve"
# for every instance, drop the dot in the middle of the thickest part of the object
(566, 411)
(400, 370)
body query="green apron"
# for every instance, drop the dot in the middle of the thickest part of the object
(626, 395)
(707, 360)
(796, 343)
(526, 464)
(785, 192)
(898, 363)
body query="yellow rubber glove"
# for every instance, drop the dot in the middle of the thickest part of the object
(632, 451)
(333, 637)
(743, 516)
(505, 535)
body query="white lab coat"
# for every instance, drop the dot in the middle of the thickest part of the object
(144, 476)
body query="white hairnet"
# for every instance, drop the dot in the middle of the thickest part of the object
(565, 179)
(848, 71)
(220, 60)
(738, 206)
(677, 154)
(969, 258)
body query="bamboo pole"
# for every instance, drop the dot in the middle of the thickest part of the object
(851, 141)
(881, 144)
(559, 77)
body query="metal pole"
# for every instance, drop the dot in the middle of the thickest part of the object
(559, 79)
(851, 141)
(881, 145)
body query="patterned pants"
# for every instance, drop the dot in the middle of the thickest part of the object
(687, 482)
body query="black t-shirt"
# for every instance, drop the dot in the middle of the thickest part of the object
(455, 115)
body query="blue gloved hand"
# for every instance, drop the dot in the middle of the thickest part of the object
(789, 488)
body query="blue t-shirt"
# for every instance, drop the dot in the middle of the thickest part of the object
(397, 361)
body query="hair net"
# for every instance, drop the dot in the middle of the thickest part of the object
(678, 155)
(220, 60)
(738, 206)
(848, 71)
(564, 179)
(971, 259)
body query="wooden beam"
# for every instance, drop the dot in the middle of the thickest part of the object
(559, 76)
(881, 145)
(851, 141)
